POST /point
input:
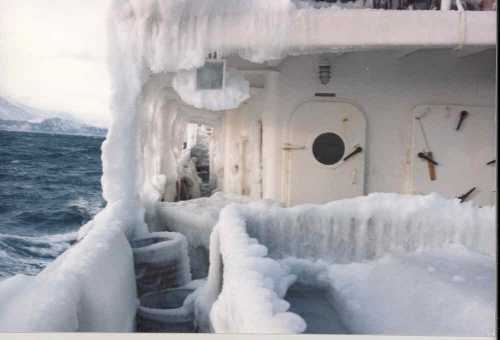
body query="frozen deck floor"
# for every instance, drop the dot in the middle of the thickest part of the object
(313, 306)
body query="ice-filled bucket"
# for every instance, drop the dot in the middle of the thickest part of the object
(166, 311)
(161, 261)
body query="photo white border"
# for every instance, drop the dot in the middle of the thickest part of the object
(184, 336)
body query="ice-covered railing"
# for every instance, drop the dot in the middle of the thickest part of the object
(245, 289)
(194, 218)
(369, 227)
(90, 287)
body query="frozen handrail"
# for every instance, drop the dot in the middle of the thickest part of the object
(90, 287)
(372, 226)
(245, 286)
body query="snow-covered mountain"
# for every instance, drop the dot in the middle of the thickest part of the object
(52, 125)
(17, 117)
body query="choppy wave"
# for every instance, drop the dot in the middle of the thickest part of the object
(86, 207)
(29, 254)
(49, 187)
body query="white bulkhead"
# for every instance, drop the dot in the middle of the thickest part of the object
(378, 95)
(282, 129)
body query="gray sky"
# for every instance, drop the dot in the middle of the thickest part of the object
(53, 56)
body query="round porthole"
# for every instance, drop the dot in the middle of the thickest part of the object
(328, 148)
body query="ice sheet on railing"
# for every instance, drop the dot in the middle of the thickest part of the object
(90, 287)
(445, 292)
(370, 226)
(196, 218)
(253, 285)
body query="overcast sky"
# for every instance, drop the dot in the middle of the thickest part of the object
(53, 56)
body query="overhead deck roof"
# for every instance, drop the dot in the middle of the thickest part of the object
(366, 29)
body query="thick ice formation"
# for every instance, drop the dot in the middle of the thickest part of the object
(235, 91)
(90, 287)
(371, 226)
(424, 250)
(253, 286)
(173, 250)
(195, 218)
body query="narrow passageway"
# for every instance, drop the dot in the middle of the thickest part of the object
(313, 306)
(195, 163)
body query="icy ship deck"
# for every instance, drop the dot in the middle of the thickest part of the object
(313, 306)
(381, 264)
(333, 265)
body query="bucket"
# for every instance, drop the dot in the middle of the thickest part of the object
(165, 311)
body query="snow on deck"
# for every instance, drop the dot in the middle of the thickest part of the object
(447, 292)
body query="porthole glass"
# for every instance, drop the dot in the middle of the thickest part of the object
(328, 148)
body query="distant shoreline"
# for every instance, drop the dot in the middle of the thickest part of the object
(54, 133)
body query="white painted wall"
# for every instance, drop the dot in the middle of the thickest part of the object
(385, 87)
(462, 155)
(241, 144)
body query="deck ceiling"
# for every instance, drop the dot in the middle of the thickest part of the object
(367, 29)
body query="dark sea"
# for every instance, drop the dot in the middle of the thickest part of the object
(49, 187)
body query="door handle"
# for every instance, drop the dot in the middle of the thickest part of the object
(359, 149)
(463, 197)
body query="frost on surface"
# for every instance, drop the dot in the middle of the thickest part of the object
(235, 91)
(90, 287)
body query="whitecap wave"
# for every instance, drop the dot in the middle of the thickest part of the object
(90, 207)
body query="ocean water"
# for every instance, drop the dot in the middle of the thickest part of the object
(49, 187)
